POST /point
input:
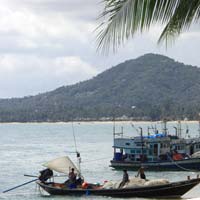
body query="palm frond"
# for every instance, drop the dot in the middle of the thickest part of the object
(123, 18)
(186, 13)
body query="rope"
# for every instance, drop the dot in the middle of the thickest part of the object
(74, 137)
(72, 152)
(179, 166)
(77, 153)
(133, 126)
(87, 161)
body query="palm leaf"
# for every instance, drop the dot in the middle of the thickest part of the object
(123, 18)
(186, 13)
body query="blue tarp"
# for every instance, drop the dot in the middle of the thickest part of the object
(158, 135)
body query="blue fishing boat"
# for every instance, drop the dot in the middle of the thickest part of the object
(158, 151)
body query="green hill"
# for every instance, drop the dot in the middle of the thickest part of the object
(149, 87)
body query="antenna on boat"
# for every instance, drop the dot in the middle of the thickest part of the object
(77, 153)
(187, 131)
(148, 132)
(179, 129)
(199, 128)
(165, 127)
(176, 132)
(113, 127)
(142, 141)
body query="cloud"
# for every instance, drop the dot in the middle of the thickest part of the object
(41, 74)
(26, 24)
(77, 9)
(49, 43)
(44, 43)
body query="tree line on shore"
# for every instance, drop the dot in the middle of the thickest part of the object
(151, 87)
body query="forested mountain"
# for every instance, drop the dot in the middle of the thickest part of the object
(149, 87)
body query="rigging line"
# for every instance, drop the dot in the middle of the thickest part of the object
(77, 153)
(96, 159)
(74, 137)
(179, 166)
(133, 126)
(70, 151)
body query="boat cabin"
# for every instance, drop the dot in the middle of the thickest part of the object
(143, 149)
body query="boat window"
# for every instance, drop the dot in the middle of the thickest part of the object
(138, 151)
(119, 150)
(127, 143)
(132, 151)
(197, 146)
(150, 159)
(182, 147)
(155, 150)
(155, 159)
(179, 147)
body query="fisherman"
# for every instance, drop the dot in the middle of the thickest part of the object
(125, 179)
(141, 173)
(72, 179)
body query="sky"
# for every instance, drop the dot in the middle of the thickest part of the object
(45, 44)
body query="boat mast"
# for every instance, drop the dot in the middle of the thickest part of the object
(176, 131)
(142, 141)
(199, 129)
(113, 127)
(148, 132)
(77, 153)
(165, 127)
(179, 129)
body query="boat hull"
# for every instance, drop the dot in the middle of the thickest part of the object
(171, 190)
(180, 165)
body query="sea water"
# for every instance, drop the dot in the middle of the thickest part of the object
(24, 147)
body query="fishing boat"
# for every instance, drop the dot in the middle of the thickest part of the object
(160, 189)
(158, 151)
(170, 190)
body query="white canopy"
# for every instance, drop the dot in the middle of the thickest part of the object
(62, 165)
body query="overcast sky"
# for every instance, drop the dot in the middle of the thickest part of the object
(46, 44)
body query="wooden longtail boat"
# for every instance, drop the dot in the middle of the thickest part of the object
(170, 190)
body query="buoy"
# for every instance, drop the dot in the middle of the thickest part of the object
(84, 185)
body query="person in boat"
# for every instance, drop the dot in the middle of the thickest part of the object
(72, 179)
(141, 173)
(125, 178)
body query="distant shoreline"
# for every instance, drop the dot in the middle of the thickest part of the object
(99, 122)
